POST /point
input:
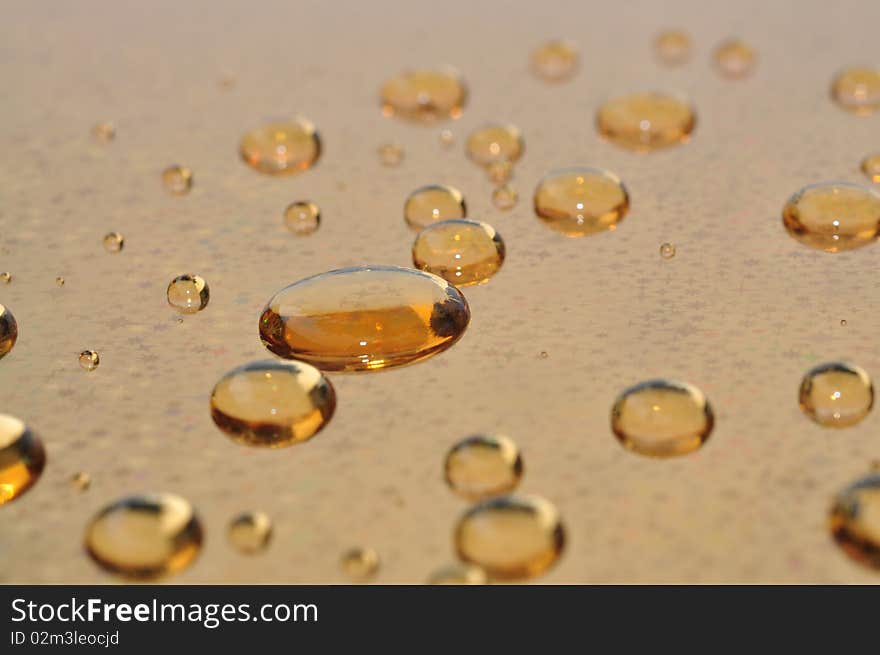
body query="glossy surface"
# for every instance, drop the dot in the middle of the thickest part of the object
(581, 201)
(833, 216)
(460, 251)
(646, 121)
(22, 458)
(836, 394)
(424, 95)
(432, 203)
(482, 466)
(282, 148)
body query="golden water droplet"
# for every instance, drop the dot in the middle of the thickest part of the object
(555, 61)
(734, 59)
(855, 520)
(144, 537)
(662, 418)
(460, 251)
(447, 138)
(22, 458)
(505, 197)
(493, 143)
(843, 322)
(272, 403)
(59, 281)
(8, 331)
(282, 148)
(113, 242)
(424, 95)
(188, 293)
(81, 481)
(250, 532)
(833, 216)
(178, 180)
(581, 201)
(302, 218)
(432, 203)
(5, 277)
(673, 47)
(871, 167)
(482, 466)
(857, 90)
(500, 171)
(836, 394)
(364, 318)
(646, 121)
(360, 564)
(390, 154)
(458, 574)
(104, 132)
(511, 537)
(667, 250)
(543, 354)
(89, 360)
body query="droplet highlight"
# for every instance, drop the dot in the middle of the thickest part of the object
(424, 96)
(643, 122)
(89, 360)
(22, 458)
(833, 216)
(432, 203)
(734, 59)
(857, 90)
(461, 251)
(145, 537)
(361, 564)
(836, 394)
(188, 293)
(483, 466)
(581, 201)
(8, 331)
(302, 218)
(250, 532)
(511, 537)
(113, 242)
(673, 47)
(555, 61)
(854, 520)
(272, 403)
(662, 418)
(178, 180)
(282, 148)
(364, 318)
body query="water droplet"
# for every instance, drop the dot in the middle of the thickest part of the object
(667, 250)
(543, 354)
(734, 59)
(360, 563)
(447, 138)
(646, 121)
(272, 403)
(673, 47)
(482, 466)
(500, 171)
(833, 216)
(81, 481)
(113, 242)
(505, 197)
(460, 251)
(302, 218)
(364, 318)
(5, 277)
(226, 82)
(250, 532)
(871, 167)
(432, 203)
(89, 360)
(282, 148)
(836, 394)
(188, 293)
(492, 143)
(511, 537)
(178, 180)
(390, 154)
(555, 61)
(424, 95)
(855, 520)
(857, 90)
(59, 281)
(104, 132)
(662, 418)
(8, 331)
(581, 201)
(22, 458)
(458, 574)
(843, 322)
(144, 537)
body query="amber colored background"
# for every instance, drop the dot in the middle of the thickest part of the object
(742, 311)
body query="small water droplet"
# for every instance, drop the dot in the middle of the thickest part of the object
(458, 574)
(5, 277)
(673, 47)
(734, 59)
(555, 61)
(424, 95)
(667, 250)
(855, 520)
(432, 203)
(836, 394)
(495, 143)
(581, 201)
(226, 82)
(188, 293)
(871, 167)
(178, 180)
(662, 418)
(302, 218)
(482, 466)
(447, 138)
(104, 132)
(543, 354)
(833, 216)
(505, 197)
(390, 154)
(89, 360)
(461, 251)
(144, 537)
(500, 171)
(282, 148)
(857, 90)
(113, 242)
(81, 481)
(59, 281)
(360, 563)
(22, 458)
(843, 322)
(646, 121)
(250, 532)
(8, 331)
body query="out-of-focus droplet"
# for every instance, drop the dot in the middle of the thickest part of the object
(458, 574)
(360, 563)
(188, 293)
(81, 481)
(857, 90)
(302, 218)
(390, 154)
(871, 167)
(104, 132)
(282, 148)
(735, 59)
(250, 532)
(855, 520)
(673, 47)
(646, 121)
(8, 331)
(22, 458)
(504, 197)
(59, 281)
(424, 95)
(494, 143)
(432, 203)
(178, 180)
(500, 171)
(555, 61)
(447, 138)
(5, 277)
